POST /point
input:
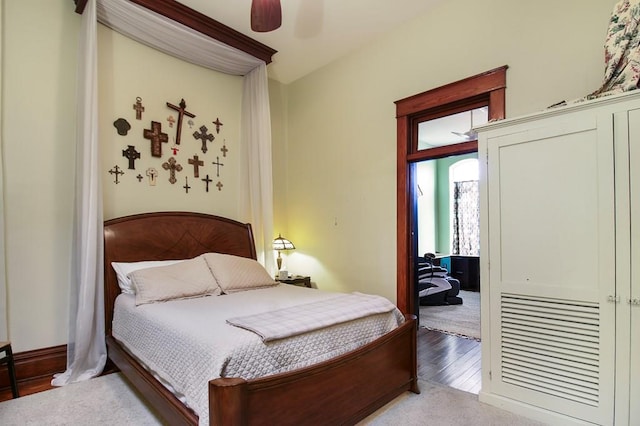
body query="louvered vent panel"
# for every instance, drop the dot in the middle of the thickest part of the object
(551, 346)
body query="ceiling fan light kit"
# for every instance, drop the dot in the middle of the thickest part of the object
(266, 15)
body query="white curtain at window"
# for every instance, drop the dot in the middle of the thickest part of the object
(86, 348)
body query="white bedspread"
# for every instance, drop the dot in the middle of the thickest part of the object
(164, 338)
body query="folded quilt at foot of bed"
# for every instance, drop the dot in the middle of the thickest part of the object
(281, 323)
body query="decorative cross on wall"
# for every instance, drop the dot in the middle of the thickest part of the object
(116, 171)
(204, 137)
(217, 163)
(196, 165)
(171, 120)
(186, 184)
(182, 111)
(139, 108)
(157, 137)
(224, 148)
(139, 177)
(219, 185)
(173, 167)
(132, 155)
(153, 174)
(207, 181)
(218, 124)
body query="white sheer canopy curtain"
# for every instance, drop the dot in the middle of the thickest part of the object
(86, 348)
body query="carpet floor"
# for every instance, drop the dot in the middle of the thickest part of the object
(109, 400)
(461, 320)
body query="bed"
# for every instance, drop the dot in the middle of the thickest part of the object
(341, 390)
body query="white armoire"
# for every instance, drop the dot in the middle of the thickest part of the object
(560, 262)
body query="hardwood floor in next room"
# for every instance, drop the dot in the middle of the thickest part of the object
(449, 360)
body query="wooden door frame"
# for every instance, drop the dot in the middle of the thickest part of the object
(489, 87)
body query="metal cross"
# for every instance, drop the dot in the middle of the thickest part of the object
(139, 108)
(204, 137)
(181, 113)
(186, 184)
(139, 177)
(207, 182)
(173, 167)
(157, 137)
(116, 171)
(196, 165)
(217, 163)
(219, 185)
(224, 149)
(218, 124)
(132, 155)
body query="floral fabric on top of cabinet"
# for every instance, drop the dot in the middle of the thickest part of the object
(622, 50)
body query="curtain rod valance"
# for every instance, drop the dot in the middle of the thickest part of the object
(202, 24)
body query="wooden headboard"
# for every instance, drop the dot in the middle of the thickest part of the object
(165, 236)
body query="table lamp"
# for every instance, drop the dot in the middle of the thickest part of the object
(280, 244)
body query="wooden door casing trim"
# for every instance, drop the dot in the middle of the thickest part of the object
(490, 85)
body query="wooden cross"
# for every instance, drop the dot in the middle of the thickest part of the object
(217, 163)
(181, 113)
(186, 184)
(139, 108)
(171, 120)
(132, 155)
(196, 165)
(207, 182)
(173, 167)
(204, 137)
(139, 177)
(116, 171)
(224, 149)
(157, 137)
(153, 174)
(218, 124)
(219, 185)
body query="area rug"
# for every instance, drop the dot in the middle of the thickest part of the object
(110, 401)
(460, 320)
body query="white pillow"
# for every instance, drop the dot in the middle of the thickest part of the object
(190, 278)
(235, 273)
(123, 269)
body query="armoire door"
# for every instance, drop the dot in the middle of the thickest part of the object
(551, 247)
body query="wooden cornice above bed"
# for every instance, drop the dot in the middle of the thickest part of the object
(203, 24)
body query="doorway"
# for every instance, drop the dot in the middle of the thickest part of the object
(483, 90)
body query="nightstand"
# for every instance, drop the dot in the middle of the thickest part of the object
(297, 280)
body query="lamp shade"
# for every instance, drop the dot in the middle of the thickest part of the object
(281, 243)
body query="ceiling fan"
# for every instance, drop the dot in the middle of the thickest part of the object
(469, 134)
(266, 15)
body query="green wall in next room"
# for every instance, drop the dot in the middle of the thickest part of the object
(443, 235)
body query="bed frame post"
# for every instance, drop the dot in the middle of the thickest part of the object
(228, 401)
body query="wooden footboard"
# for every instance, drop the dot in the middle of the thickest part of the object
(343, 390)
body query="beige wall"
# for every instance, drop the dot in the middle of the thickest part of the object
(38, 137)
(129, 70)
(38, 140)
(340, 179)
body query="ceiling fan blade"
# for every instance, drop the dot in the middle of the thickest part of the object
(266, 15)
